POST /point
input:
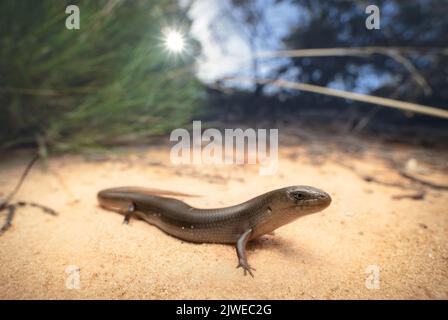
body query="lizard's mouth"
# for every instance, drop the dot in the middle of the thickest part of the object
(322, 201)
(315, 204)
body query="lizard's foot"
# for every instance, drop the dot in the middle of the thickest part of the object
(129, 212)
(246, 267)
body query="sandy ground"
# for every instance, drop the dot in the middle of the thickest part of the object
(330, 255)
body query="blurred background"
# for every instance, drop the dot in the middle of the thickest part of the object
(360, 113)
(117, 81)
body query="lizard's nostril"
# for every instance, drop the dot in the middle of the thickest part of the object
(327, 198)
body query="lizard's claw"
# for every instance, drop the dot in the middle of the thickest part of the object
(246, 267)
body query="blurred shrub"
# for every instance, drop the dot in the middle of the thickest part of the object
(111, 82)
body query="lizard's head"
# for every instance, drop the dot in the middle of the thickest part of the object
(306, 199)
(294, 202)
(288, 204)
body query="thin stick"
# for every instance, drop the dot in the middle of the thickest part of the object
(24, 174)
(395, 53)
(422, 181)
(8, 223)
(325, 52)
(12, 207)
(396, 104)
(39, 206)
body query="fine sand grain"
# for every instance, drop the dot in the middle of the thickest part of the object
(330, 255)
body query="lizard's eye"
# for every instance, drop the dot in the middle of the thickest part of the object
(297, 196)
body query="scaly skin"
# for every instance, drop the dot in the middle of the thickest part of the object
(235, 224)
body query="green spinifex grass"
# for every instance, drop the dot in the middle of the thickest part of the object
(110, 82)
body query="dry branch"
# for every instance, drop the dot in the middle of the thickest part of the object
(391, 103)
(422, 181)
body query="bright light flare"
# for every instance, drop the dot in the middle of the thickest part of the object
(174, 41)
